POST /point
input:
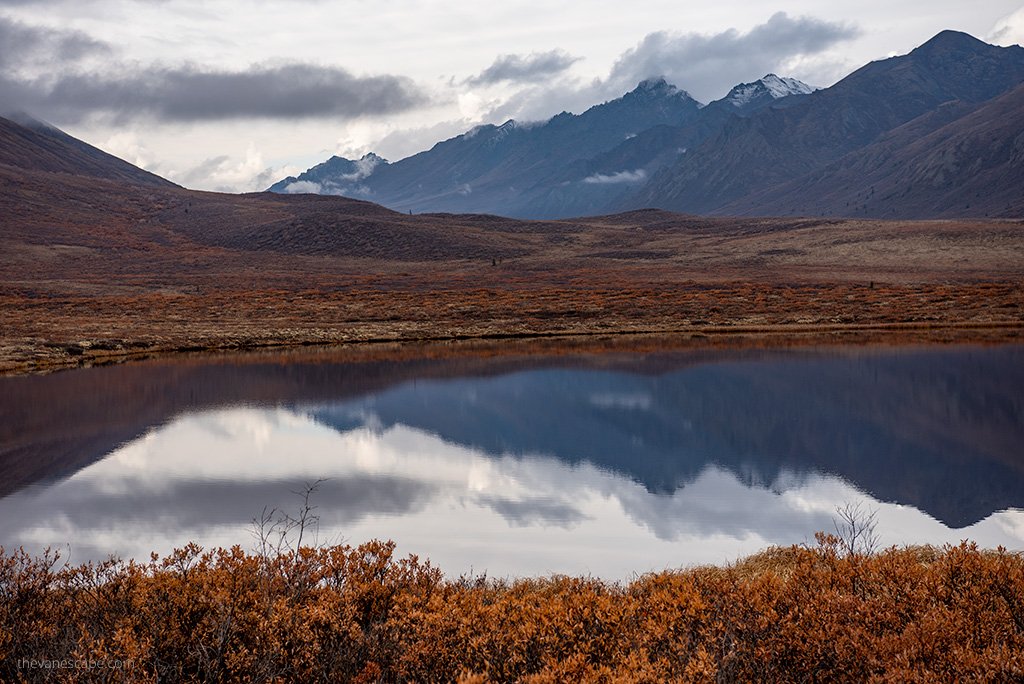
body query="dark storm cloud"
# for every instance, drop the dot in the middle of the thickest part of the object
(42, 70)
(531, 68)
(290, 91)
(702, 63)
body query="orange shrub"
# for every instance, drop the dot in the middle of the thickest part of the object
(359, 614)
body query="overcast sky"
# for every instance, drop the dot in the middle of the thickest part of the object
(235, 94)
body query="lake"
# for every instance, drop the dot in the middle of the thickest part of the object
(517, 459)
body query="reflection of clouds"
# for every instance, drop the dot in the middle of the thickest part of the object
(205, 477)
(717, 503)
(1011, 522)
(99, 523)
(536, 510)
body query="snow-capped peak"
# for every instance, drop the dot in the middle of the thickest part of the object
(771, 86)
(783, 86)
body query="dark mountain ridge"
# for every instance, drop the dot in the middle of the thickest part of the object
(959, 159)
(775, 146)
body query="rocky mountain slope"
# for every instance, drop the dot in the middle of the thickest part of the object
(959, 159)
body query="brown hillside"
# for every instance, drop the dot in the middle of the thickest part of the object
(39, 147)
(91, 266)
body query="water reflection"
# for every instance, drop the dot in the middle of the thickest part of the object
(524, 466)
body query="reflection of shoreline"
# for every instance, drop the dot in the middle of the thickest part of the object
(954, 451)
(434, 497)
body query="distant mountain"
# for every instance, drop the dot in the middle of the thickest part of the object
(887, 141)
(559, 168)
(336, 176)
(749, 97)
(31, 145)
(777, 145)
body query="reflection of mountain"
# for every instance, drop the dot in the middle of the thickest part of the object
(941, 431)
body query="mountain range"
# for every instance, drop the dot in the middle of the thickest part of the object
(936, 133)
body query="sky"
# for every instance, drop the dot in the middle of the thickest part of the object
(233, 95)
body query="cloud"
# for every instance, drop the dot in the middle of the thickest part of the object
(637, 176)
(49, 71)
(1009, 30)
(223, 174)
(537, 66)
(23, 46)
(303, 187)
(707, 65)
(364, 167)
(187, 93)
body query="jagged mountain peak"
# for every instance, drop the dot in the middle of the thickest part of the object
(656, 87)
(658, 84)
(372, 158)
(336, 176)
(781, 86)
(769, 87)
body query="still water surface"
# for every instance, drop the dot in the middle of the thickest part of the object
(522, 464)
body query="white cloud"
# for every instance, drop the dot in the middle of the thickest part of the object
(397, 142)
(300, 187)
(703, 64)
(126, 145)
(1009, 30)
(637, 176)
(473, 106)
(364, 167)
(224, 174)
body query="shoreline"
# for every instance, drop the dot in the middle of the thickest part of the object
(96, 353)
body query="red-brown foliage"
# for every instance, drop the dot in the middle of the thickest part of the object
(360, 614)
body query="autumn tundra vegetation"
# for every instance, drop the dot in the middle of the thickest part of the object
(294, 611)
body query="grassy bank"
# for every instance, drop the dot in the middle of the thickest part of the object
(362, 614)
